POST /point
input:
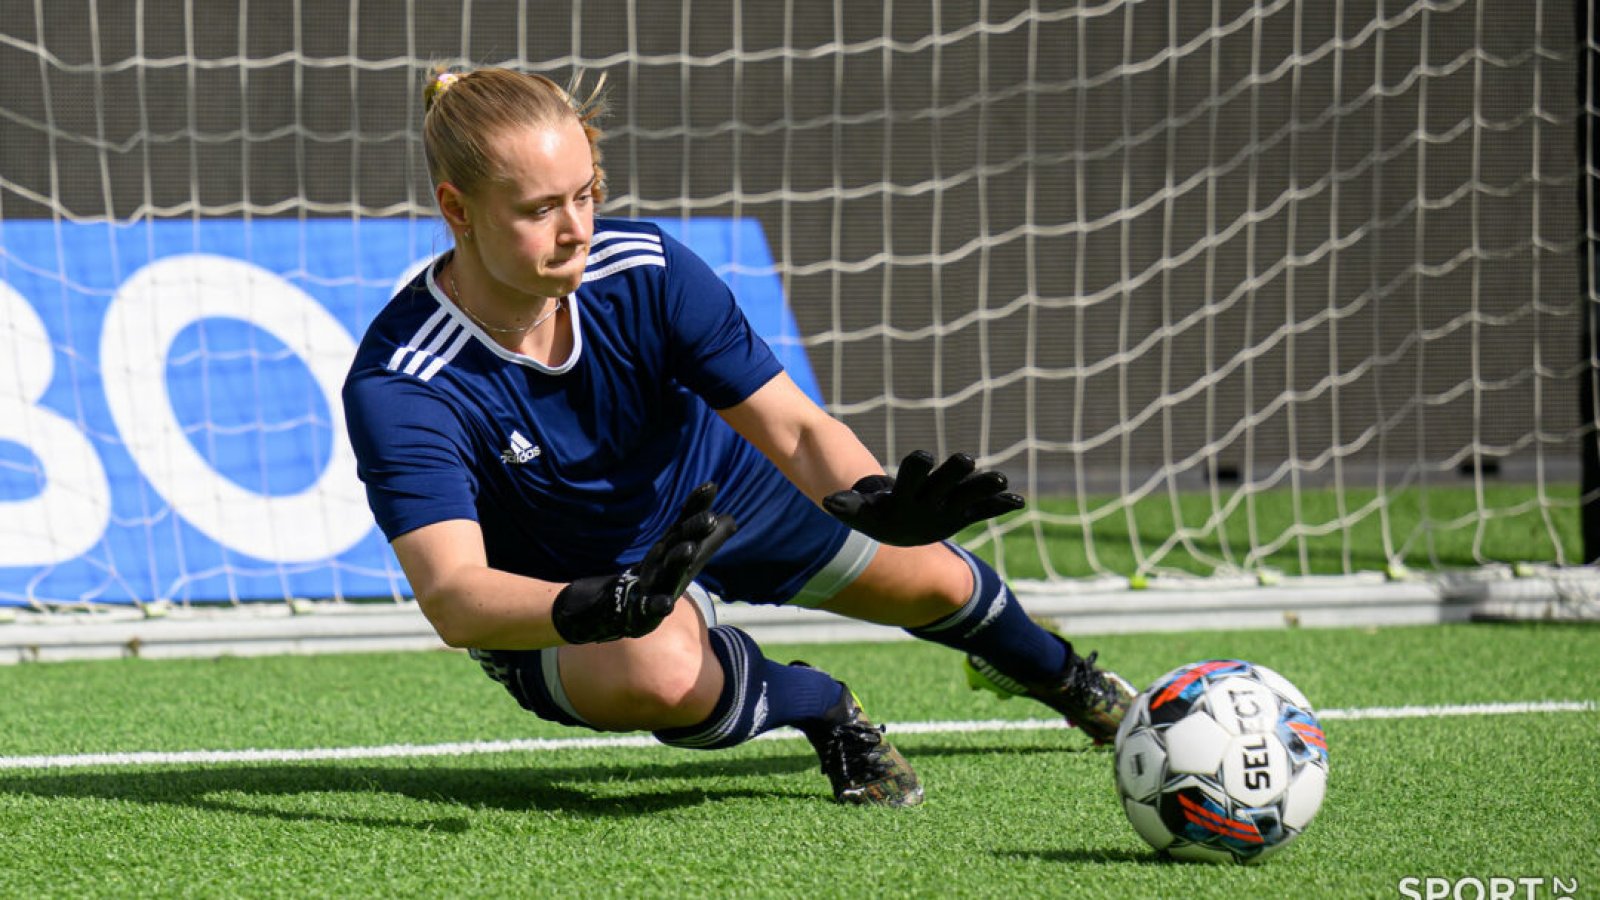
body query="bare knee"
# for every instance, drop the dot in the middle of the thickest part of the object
(667, 679)
(907, 587)
(673, 689)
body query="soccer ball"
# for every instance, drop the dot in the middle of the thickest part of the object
(1221, 761)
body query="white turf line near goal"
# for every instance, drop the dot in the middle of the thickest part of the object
(1126, 252)
(540, 745)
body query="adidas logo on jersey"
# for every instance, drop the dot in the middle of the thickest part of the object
(520, 450)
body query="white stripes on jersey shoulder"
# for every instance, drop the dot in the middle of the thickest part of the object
(611, 252)
(431, 347)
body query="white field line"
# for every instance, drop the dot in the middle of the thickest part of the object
(532, 745)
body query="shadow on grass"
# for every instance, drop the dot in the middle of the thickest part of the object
(1088, 855)
(289, 791)
(599, 791)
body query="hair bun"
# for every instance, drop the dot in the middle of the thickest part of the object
(440, 81)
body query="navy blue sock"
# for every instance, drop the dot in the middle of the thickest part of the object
(757, 695)
(994, 627)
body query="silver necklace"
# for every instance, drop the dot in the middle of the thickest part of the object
(455, 289)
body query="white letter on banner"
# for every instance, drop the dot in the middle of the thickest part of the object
(146, 316)
(71, 513)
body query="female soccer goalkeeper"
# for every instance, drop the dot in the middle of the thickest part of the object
(566, 426)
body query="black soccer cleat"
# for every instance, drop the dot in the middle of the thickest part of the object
(1091, 698)
(862, 766)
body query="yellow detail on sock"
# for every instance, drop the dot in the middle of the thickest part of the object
(978, 681)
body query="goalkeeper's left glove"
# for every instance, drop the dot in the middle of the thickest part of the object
(633, 603)
(923, 505)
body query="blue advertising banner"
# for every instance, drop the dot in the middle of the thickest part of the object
(170, 421)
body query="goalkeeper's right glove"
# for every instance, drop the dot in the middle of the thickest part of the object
(923, 505)
(633, 603)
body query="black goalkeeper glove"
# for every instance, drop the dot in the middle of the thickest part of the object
(923, 505)
(633, 603)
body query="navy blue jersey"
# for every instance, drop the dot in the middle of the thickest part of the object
(575, 470)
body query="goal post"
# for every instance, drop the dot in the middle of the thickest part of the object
(1587, 30)
(1255, 300)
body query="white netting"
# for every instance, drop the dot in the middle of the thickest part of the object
(1227, 287)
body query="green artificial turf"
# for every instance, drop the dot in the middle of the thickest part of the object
(1318, 531)
(1009, 813)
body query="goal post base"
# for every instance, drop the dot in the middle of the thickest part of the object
(1105, 606)
(198, 632)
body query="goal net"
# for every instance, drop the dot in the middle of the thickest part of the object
(1235, 291)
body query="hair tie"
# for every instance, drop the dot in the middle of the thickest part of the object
(440, 83)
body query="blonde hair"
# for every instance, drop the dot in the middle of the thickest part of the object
(464, 111)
